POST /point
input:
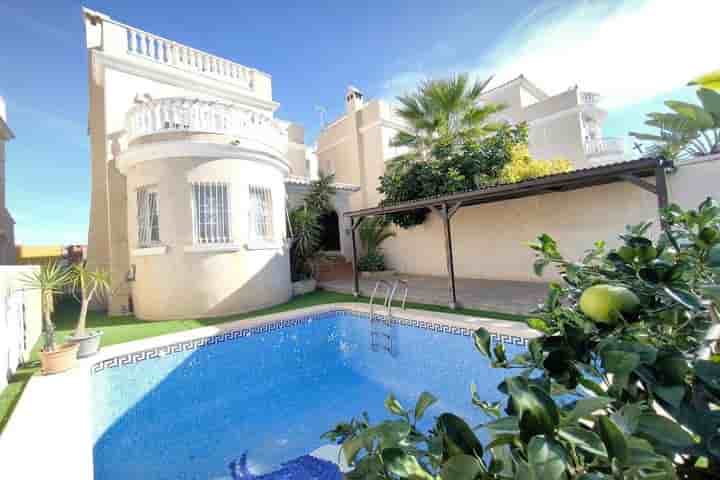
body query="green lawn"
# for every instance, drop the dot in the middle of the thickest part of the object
(128, 328)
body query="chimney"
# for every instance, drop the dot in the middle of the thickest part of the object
(353, 99)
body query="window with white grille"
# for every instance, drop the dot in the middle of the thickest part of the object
(261, 222)
(211, 212)
(148, 217)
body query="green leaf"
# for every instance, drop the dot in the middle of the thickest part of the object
(546, 458)
(392, 432)
(700, 118)
(499, 351)
(584, 408)
(671, 394)
(481, 338)
(394, 406)
(709, 373)
(614, 439)
(592, 386)
(709, 80)
(458, 437)
(403, 465)
(659, 429)
(684, 298)
(584, 439)
(712, 292)
(620, 362)
(352, 446)
(710, 100)
(461, 467)
(538, 324)
(426, 399)
(504, 425)
(537, 411)
(627, 417)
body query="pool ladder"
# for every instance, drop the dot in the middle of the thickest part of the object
(381, 339)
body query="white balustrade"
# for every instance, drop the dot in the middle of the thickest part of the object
(589, 98)
(201, 116)
(167, 52)
(604, 146)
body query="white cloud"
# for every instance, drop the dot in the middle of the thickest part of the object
(628, 51)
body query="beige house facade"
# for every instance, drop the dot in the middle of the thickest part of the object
(190, 175)
(7, 224)
(490, 241)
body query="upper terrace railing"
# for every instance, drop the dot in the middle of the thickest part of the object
(168, 52)
(604, 146)
(180, 114)
(589, 98)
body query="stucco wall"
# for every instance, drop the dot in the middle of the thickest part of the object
(11, 283)
(490, 241)
(186, 284)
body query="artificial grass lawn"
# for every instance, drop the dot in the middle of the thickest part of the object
(128, 328)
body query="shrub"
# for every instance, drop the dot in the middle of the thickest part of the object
(372, 262)
(523, 167)
(631, 361)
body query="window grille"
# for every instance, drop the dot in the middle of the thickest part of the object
(148, 217)
(211, 212)
(261, 222)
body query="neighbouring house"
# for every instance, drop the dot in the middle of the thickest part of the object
(43, 254)
(7, 224)
(191, 177)
(490, 241)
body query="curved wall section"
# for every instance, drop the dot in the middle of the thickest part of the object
(179, 277)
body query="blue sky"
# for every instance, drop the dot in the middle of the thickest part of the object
(636, 53)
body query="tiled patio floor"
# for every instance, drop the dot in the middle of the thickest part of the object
(497, 295)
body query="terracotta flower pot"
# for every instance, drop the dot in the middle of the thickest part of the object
(62, 359)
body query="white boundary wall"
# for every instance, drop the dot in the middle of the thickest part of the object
(20, 320)
(490, 241)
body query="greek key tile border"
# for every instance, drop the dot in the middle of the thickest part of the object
(234, 335)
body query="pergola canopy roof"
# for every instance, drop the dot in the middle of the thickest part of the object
(631, 171)
(445, 206)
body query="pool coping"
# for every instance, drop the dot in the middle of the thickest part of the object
(37, 428)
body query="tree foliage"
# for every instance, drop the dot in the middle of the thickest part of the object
(373, 231)
(640, 392)
(522, 166)
(446, 110)
(305, 228)
(449, 170)
(689, 130)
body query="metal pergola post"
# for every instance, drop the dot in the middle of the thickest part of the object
(445, 213)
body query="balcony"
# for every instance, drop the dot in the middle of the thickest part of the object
(180, 114)
(185, 127)
(602, 147)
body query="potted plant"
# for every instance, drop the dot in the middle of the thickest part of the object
(50, 279)
(374, 231)
(86, 285)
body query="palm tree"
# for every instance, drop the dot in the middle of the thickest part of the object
(321, 192)
(447, 109)
(87, 283)
(374, 231)
(50, 279)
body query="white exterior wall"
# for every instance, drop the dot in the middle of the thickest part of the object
(180, 279)
(20, 320)
(490, 241)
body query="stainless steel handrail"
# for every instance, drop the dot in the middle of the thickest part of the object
(392, 295)
(388, 290)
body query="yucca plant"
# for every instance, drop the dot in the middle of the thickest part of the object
(50, 279)
(86, 285)
(306, 233)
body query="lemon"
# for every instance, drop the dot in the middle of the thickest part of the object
(604, 303)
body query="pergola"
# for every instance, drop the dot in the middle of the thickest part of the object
(445, 206)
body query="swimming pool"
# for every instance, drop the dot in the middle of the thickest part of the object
(188, 410)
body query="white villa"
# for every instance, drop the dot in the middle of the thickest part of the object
(7, 224)
(192, 174)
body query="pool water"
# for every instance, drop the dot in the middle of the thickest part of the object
(273, 391)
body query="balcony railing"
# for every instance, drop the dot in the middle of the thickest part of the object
(589, 98)
(161, 50)
(181, 114)
(604, 146)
